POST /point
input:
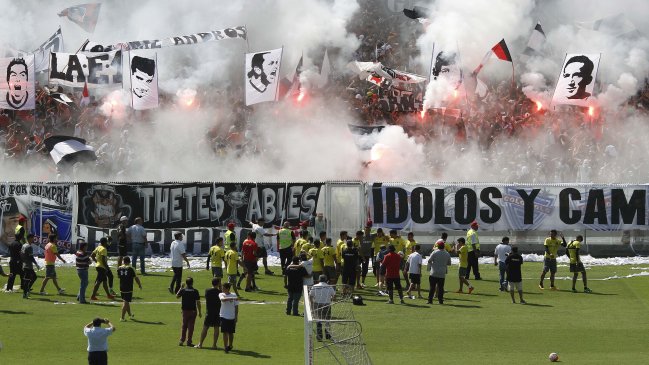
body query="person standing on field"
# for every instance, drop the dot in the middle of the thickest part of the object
(98, 340)
(229, 316)
(413, 268)
(51, 254)
(463, 253)
(139, 241)
(551, 245)
(473, 248)
(28, 260)
(178, 254)
(576, 266)
(215, 256)
(82, 262)
(500, 254)
(438, 263)
(127, 275)
(191, 305)
(100, 256)
(392, 263)
(513, 263)
(212, 312)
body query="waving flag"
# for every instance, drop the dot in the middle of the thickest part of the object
(500, 50)
(69, 150)
(537, 38)
(84, 15)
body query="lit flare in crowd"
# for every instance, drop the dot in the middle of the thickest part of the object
(539, 106)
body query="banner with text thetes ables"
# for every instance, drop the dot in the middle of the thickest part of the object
(96, 69)
(48, 208)
(509, 207)
(200, 208)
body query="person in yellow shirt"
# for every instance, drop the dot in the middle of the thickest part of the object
(449, 247)
(231, 265)
(306, 247)
(215, 256)
(304, 235)
(341, 244)
(329, 261)
(407, 250)
(316, 254)
(576, 266)
(463, 254)
(551, 246)
(100, 256)
(473, 246)
(379, 240)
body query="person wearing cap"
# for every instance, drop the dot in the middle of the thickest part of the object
(473, 248)
(177, 253)
(138, 239)
(51, 254)
(121, 240)
(100, 256)
(551, 245)
(230, 236)
(322, 296)
(285, 242)
(98, 340)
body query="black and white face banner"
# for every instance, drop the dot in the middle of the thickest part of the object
(144, 82)
(74, 70)
(577, 79)
(17, 91)
(445, 64)
(262, 76)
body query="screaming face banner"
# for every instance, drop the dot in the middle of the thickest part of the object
(17, 91)
(509, 207)
(97, 69)
(577, 79)
(262, 75)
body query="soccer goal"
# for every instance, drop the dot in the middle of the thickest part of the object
(331, 334)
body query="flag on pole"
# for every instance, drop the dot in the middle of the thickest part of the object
(325, 70)
(261, 75)
(500, 50)
(85, 96)
(84, 15)
(295, 83)
(537, 38)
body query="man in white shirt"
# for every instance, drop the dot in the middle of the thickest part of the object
(321, 296)
(137, 234)
(262, 250)
(413, 268)
(229, 314)
(500, 255)
(177, 256)
(98, 340)
(308, 265)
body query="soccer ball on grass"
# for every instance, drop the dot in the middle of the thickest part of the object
(554, 357)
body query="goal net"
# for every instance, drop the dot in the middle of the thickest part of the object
(331, 334)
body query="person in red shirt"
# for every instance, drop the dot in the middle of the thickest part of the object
(249, 251)
(392, 263)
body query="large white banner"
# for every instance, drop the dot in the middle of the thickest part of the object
(577, 79)
(144, 82)
(97, 69)
(42, 54)
(17, 91)
(262, 76)
(180, 40)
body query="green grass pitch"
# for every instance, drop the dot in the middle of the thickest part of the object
(609, 326)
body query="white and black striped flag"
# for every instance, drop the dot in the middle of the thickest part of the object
(535, 43)
(69, 150)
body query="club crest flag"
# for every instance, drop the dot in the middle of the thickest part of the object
(261, 76)
(75, 69)
(576, 82)
(144, 82)
(84, 15)
(17, 90)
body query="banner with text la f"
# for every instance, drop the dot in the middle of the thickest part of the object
(96, 69)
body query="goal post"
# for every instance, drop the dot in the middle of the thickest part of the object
(331, 334)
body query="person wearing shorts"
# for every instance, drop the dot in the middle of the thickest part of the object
(122, 240)
(551, 245)
(249, 253)
(100, 256)
(215, 256)
(329, 261)
(51, 254)
(231, 265)
(576, 266)
(229, 314)
(513, 264)
(413, 268)
(127, 275)
(212, 312)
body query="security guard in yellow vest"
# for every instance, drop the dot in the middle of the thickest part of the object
(229, 236)
(20, 232)
(285, 241)
(473, 246)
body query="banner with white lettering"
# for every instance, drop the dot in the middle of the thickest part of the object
(508, 207)
(97, 69)
(202, 208)
(17, 90)
(181, 40)
(47, 208)
(144, 82)
(262, 75)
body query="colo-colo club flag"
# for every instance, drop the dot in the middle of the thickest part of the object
(96, 69)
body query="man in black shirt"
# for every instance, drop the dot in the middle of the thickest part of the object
(293, 278)
(15, 265)
(126, 275)
(350, 263)
(28, 260)
(191, 301)
(514, 276)
(212, 312)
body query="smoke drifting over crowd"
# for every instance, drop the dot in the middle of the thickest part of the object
(504, 137)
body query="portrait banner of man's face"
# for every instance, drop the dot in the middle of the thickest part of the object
(445, 65)
(17, 91)
(144, 82)
(577, 79)
(262, 75)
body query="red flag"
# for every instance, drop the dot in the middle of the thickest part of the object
(84, 15)
(85, 100)
(500, 50)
